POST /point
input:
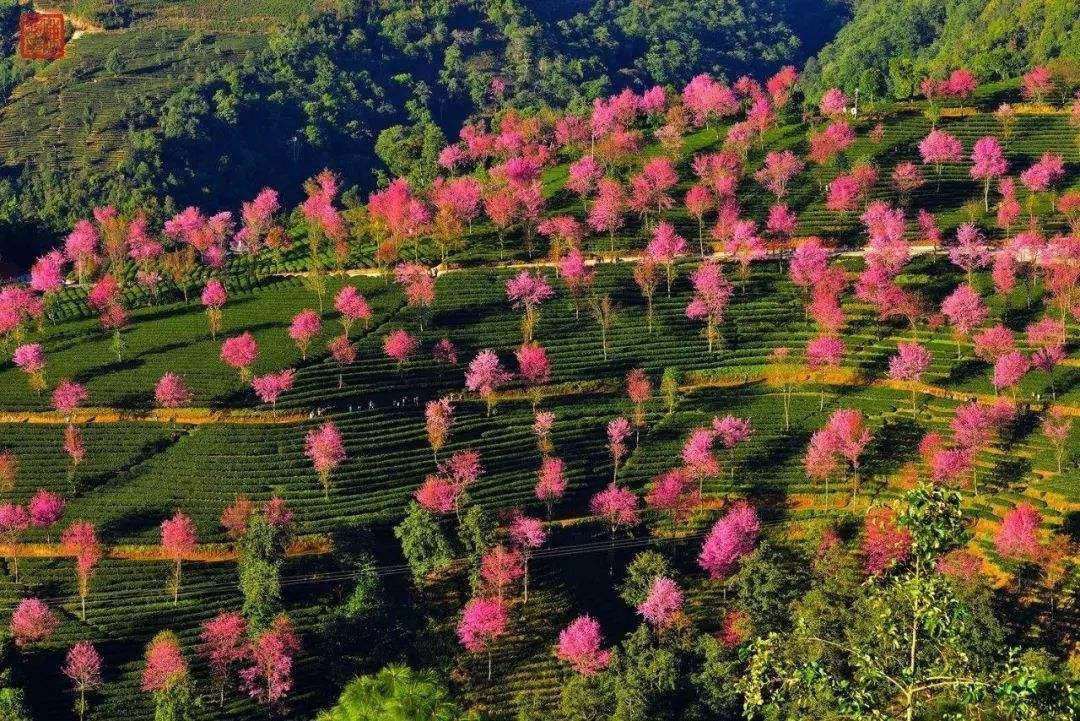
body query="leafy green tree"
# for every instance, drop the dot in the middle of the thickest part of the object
(586, 698)
(13, 704)
(530, 707)
(476, 532)
(640, 574)
(395, 693)
(669, 387)
(262, 552)
(423, 543)
(769, 580)
(411, 151)
(176, 701)
(12, 698)
(910, 39)
(717, 670)
(904, 645)
(366, 598)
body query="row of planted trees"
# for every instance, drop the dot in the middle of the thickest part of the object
(252, 649)
(509, 164)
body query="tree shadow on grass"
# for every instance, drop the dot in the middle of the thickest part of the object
(1070, 526)
(1008, 473)
(1022, 426)
(894, 444)
(1020, 318)
(965, 370)
(134, 523)
(126, 364)
(761, 471)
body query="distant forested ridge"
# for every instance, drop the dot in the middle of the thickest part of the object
(890, 44)
(170, 105)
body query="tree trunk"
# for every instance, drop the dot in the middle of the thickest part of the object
(526, 584)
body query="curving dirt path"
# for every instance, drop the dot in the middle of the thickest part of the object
(181, 417)
(594, 259)
(798, 376)
(313, 545)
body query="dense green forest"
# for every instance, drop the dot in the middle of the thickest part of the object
(890, 44)
(164, 104)
(172, 104)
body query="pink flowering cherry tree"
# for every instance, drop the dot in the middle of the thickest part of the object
(884, 543)
(353, 307)
(1056, 426)
(483, 622)
(617, 506)
(731, 538)
(580, 646)
(732, 432)
(666, 248)
(973, 427)
(46, 509)
(528, 534)
(940, 148)
(526, 292)
(80, 540)
(965, 311)
(988, 164)
(305, 328)
(214, 297)
(68, 396)
(663, 603)
(419, 286)
(639, 391)
(673, 493)
(712, 292)
(1018, 535)
(83, 666)
(697, 455)
(849, 429)
(550, 481)
(30, 359)
(618, 430)
(172, 391)
(269, 678)
(325, 449)
(908, 365)
(1009, 370)
(75, 449)
(32, 622)
(268, 388)
(399, 346)
(438, 422)
(500, 567)
(534, 367)
(224, 643)
(485, 376)
(578, 277)
(240, 353)
(164, 664)
(178, 539)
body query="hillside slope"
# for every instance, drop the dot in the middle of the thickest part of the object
(889, 44)
(198, 102)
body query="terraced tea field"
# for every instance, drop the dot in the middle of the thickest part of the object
(141, 467)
